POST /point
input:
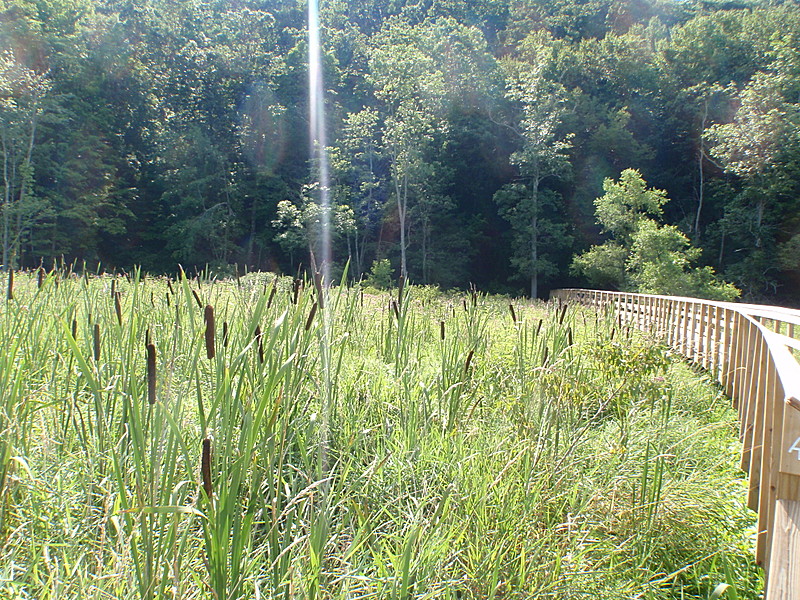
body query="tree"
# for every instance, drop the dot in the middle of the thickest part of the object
(542, 155)
(23, 93)
(643, 255)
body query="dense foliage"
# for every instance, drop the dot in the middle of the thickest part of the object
(479, 132)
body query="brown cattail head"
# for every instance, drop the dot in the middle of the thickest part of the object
(464, 302)
(167, 297)
(209, 319)
(513, 313)
(569, 336)
(96, 338)
(613, 331)
(311, 315)
(225, 333)
(151, 373)
(257, 335)
(39, 277)
(396, 310)
(10, 291)
(74, 329)
(362, 299)
(563, 312)
(197, 299)
(272, 292)
(468, 361)
(113, 286)
(169, 285)
(205, 468)
(118, 307)
(147, 337)
(441, 329)
(539, 326)
(296, 285)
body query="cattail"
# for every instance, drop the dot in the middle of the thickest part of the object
(118, 308)
(151, 373)
(96, 342)
(539, 326)
(613, 331)
(468, 361)
(113, 286)
(225, 334)
(260, 345)
(272, 292)
(167, 297)
(74, 329)
(563, 312)
(396, 310)
(197, 299)
(296, 285)
(10, 292)
(169, 285)
(311, 314)
(464, 302)
(209, 319)
(39, 277)
(205, 468)
(441, 329)
(513, 314)
(546, 353)
(147, 337)
(362, 299)
(569, 336)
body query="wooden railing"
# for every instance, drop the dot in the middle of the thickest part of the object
(752, 351)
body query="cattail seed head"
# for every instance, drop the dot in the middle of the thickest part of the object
(197, 299)
(225, 334)
(118, 308)
(272, 292)
(539, 326)
(546, 354)
(96, 339)
(74, 329)
(205, 468)
(169, 285)
(513, 313)
(10, 291)
(563, 312)
(441, 330)
(396, 310)
(113, 286)
(167, 297)
(311, 315)
(257, 335)
(151, 373)
(468, 361)
(209, 319)
(39, 277)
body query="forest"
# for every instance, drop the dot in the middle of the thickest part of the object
(515, 145)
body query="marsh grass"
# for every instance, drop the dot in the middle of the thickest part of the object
(412, 445)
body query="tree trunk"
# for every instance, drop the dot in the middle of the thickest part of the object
(402, 204)
(535, 236)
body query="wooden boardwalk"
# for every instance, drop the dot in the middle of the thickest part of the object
(752, 351)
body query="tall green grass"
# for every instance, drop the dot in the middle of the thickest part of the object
(362, 445)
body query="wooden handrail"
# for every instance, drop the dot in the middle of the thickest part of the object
(749, 350)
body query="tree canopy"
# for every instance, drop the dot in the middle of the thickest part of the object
(468, 140)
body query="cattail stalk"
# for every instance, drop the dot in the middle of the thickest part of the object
(209, 319)
(151, 373)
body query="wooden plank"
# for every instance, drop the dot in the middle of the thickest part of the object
(762, 368)
(769, 461)
(783, 574)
